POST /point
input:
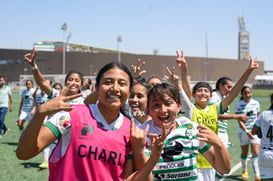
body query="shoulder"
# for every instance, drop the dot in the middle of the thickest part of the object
(255, 101)
(144, 125)
(80, 107)
(267, 114)
(183, 120)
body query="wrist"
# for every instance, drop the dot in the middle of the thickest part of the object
(35, 67)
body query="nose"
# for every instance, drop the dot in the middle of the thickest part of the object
(163, 108)
(115, 86)
(134, 98)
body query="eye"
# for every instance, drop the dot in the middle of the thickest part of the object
(156, 105)
(107, 82)
(132, 95)
(140, 96)
(123, 83)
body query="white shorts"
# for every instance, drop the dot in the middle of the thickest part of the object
(245, 140)
(205, 174)
(25, 115)
(224, 138)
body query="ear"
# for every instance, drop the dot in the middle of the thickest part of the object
(179, 106)
(96, 86)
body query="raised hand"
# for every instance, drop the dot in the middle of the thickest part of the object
(180, 60)
(207, 135)
(157, 142)
(242, 117)
(137, 69)
(58, 104)
(30, 57)
(172, 77)
(249, 134)
(138, 136)
(253, 64)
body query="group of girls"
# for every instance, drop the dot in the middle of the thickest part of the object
(97, 142)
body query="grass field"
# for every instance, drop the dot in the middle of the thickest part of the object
(14, 169)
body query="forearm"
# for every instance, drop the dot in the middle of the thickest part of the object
(222, 159)
(186, 82)
(145, 173)
(10, 102)
(186, 104)
(228, 116)
(242, 125)
(28, 145)
(139, 158)
(40, 80)
(236, 89)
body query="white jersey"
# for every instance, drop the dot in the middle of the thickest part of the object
(28, 100)
(265, 123)
(4, 96)
(85, 93)
(40, 99)
(178, 157)
(222, 124)
(251, 109)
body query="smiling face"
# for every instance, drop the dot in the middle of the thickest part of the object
(138, 100)
(163, 109)
(73, 80)
(247, 94)
(114, 89)
(225, 89)
(202, 96)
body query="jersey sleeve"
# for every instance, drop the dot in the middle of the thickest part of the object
(58, 123)
(54, 93)
(187, 106)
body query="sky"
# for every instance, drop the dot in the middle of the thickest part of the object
(200, 28)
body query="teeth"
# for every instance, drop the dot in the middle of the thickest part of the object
(113, 96)
(163, 117)
(135, 105)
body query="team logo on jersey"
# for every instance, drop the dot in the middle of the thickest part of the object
(86, 129)
(189, 131)
(64, 121)
(170, 150)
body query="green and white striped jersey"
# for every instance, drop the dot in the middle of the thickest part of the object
(178, 157)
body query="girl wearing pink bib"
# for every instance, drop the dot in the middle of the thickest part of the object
(93, 139)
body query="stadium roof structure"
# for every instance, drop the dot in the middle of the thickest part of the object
(71, 47)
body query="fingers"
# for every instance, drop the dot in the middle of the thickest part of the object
(173, 70)
(136, 68)
(69, 98)
(177, 53)
(168, 70)
(147, 129)
(132, 127)
(65, 91)
(253, 63)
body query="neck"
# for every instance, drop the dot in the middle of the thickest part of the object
(110, 115)
(202, 105)
(143, 119)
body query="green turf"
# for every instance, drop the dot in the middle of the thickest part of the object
(14, 169)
